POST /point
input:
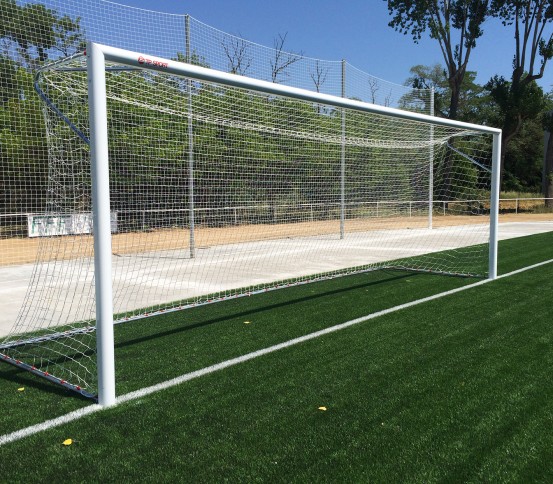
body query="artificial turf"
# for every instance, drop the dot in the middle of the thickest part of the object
(454, 389)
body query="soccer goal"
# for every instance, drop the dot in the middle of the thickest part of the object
(173, 185)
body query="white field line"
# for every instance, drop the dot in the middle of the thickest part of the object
(70, 417)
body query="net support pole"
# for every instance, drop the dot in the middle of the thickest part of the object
(343, 160)
(431, 164)
(191, 220)
(494, 205)
(99, 158)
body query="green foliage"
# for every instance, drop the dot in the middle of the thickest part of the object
(475, 103)
(438, 17)
(195, 59)
(37, 33)
(30, 34)
(524, 158)
(520, 98)
(506, 103)
(520, 110)
(492, 105)
(23, 149)
(516, 103)
(8, 80)
(8, 15)
(547, 121)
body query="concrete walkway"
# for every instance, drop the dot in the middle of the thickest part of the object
(63, 291)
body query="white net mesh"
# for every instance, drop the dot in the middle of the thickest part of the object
(32, 33)
(269, 207)
(267, 192)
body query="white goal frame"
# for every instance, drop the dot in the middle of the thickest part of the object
(97, 56)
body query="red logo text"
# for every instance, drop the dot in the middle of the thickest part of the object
(152, 62)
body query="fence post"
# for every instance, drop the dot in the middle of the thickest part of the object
(431, 163)
(191, 220)
(343, 159)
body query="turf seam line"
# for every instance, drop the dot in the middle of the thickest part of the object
(77, 414)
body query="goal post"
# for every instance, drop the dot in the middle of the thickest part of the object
(205, 186)
(100, 166)
(494, 204)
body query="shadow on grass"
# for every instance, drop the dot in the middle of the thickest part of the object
(23, 378)
(263, 308)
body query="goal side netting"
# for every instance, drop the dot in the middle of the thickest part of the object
(217, 192)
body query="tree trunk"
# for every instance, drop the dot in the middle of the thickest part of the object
(445, 189)
(548, 171)
(502, 163)
(454, 99)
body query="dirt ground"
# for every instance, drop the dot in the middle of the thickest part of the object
(26, 250)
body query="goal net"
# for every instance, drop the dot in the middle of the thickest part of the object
(225, 188)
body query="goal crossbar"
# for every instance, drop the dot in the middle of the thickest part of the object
(138, 60)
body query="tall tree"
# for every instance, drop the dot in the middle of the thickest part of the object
(455, 24)
(521, 99)
(548, 161)
(533, 44)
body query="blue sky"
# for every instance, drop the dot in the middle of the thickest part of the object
(356, 30)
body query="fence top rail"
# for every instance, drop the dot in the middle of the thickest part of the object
(524, 198)
(148, 62)
(306, 204)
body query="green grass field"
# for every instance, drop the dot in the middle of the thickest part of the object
(456, 389)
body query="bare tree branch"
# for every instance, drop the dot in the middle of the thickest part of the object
(282, 60)
(455, 24)
(319, 76)
(374, 87)
(236, 51)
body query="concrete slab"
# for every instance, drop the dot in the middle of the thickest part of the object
(63, 291)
